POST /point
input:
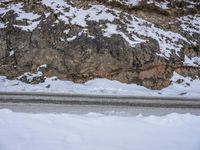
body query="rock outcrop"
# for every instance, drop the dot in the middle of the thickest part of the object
(80, 40)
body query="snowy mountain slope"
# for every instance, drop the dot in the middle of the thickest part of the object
(82, 40)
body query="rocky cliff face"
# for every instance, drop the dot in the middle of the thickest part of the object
(138, 41)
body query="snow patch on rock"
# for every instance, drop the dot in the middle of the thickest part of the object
(78, 16)
(31, 18)
(190, 23)
(194, 61)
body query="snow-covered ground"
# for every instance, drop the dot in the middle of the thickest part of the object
(23, 131)
(186, 88)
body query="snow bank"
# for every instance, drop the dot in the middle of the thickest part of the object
(187, 87)
(91, 131)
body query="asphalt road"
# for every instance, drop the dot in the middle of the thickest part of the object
(120, 105)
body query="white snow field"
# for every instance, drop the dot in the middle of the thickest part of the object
(187, 88)
(23, 131)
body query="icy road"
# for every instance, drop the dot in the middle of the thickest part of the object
(67, 103)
